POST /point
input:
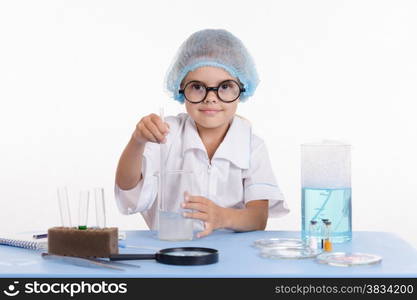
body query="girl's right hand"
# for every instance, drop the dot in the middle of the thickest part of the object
(151, 128)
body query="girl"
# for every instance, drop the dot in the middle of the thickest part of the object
(235, 185)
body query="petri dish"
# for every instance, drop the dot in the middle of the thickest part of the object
(279, 243)
(343, 259)
(292, 253)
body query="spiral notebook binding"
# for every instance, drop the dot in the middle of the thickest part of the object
(27, 244)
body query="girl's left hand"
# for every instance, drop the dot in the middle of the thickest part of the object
(206, 211)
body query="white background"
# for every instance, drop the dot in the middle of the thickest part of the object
(76, 76)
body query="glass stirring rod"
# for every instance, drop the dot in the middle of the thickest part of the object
(161, 167)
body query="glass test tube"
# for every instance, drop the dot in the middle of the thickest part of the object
(323, 232)
(313, 235)
(64, 207)
(327, 242)
(100, 207)
(83, 209)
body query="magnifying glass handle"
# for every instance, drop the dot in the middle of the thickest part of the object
(131, 256)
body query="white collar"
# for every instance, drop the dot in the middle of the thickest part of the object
(235, 146)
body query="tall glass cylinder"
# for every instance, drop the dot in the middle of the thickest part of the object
(172, 225)
(326, 188)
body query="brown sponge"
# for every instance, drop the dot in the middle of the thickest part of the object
(92, 242)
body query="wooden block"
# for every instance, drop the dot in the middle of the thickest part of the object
(92, 242)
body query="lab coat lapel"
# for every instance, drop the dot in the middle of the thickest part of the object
(191, 138)
(235, 146)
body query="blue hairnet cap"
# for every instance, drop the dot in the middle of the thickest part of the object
(216, 48)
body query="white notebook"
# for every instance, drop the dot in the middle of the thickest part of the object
(24, 240)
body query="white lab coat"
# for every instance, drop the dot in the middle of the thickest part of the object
(239, 172)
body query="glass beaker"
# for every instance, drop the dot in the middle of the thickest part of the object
(172, 225)
(326, 188)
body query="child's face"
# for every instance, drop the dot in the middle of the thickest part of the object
(211, 113)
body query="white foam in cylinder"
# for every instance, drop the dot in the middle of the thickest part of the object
(325, 164)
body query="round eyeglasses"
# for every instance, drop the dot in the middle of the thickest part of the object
(227, 91)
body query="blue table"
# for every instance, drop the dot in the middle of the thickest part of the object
(237, 259)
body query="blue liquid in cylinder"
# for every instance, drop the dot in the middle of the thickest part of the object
(332, 204)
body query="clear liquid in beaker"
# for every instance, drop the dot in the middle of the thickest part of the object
(332, 204)
(174, 227)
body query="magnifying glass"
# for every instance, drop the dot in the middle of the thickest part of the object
(176, 256)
